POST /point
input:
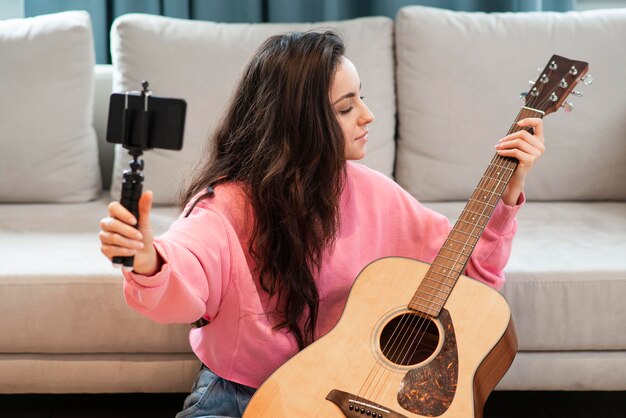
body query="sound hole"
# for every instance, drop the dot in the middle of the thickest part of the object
(409, 339)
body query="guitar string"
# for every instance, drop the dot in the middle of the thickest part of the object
(508, 165)
(489, 175)
(423, 322)
(489, 179)
(401, 328)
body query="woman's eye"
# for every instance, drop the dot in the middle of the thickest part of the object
(344, 111)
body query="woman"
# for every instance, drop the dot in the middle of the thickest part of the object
(278, 223)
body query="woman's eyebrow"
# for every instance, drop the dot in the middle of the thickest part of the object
(345, 96)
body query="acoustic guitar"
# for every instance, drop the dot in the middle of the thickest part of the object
(418, 340)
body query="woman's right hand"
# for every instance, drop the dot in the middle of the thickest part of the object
(119, 237)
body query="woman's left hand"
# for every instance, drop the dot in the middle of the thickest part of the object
(526, 148)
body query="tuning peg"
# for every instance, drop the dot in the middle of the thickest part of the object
(531, 82)
(523, 95)
(577, 93)
(567, 106)
(587, 80)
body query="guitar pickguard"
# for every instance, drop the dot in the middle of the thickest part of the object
(429, 390)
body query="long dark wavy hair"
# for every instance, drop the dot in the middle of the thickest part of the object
(281, 138)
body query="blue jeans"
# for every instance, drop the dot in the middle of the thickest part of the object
(214, 397)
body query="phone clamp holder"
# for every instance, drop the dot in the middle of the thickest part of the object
(132, 182)
(140, 121)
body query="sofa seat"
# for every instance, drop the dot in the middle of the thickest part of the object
(566, 267)
(55, 283)
(549, 298)
(565, 286)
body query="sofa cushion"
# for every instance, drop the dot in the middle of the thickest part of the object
(48, 144)
(56, 284)
(202, 61)
(459, 75)
(565, 280)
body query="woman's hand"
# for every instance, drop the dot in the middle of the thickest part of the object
(526, 148)
(119, 237)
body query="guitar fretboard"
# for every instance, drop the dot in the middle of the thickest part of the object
(451, 260)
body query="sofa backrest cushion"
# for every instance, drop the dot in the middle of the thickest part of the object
(48, 150)
(459, 75)
(201, 63)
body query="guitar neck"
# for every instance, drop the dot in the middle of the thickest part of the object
(451, 260)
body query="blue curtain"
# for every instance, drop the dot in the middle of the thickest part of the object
(103, 12)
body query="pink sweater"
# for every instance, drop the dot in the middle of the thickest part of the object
(208, 271)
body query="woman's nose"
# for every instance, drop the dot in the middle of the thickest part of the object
(367, 116)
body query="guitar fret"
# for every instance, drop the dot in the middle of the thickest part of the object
(432, 302)
(448, 258)
(434, 288)
(438, 281)
(486, 176)
(469, 223)
(430, 310)
(476, 213)
(466, 233)
(443, 275)
(481, 202)
(487, 198)
(485, 190)
(502, 166)
(456, 241)
(446, 268)
(429, 305)
(428, 294)
(456, 251)
(496, 175)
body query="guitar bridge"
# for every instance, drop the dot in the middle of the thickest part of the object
(353, 406)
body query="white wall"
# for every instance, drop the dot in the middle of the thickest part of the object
(11, 9)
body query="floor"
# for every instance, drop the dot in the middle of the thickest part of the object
(499, 405)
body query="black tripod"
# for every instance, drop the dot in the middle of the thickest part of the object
(132, 182)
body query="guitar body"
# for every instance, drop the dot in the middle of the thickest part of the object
(467, 350)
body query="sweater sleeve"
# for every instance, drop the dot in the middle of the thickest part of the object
(493, 249)
(195, 273)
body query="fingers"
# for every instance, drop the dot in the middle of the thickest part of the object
(523, 145)
(119, 239)
(113, 225)
(118, 234)
(535, 123)
(116, 210)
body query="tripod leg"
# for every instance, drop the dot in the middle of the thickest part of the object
(132, 186)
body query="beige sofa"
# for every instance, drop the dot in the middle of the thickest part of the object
(443, 86)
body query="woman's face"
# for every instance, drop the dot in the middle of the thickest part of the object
(352, 113)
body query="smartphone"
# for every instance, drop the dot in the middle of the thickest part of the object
(164, 119)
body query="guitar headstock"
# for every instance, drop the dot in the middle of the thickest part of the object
(556, 82)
